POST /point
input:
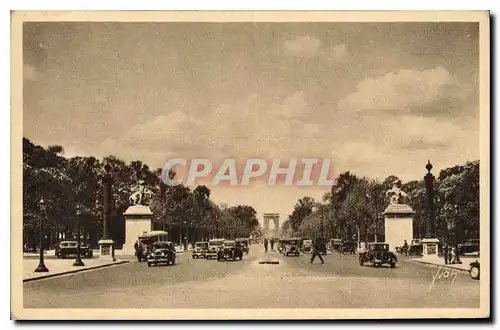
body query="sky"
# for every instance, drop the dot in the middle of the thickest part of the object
(377, 99)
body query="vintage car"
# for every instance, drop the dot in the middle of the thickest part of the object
(200, 249)
(470, 246)
(70, 249)
(281, 245)
(292, 247)
(244, 244)
(378, 254)
(474, 270)
(230, 250)
(348, 247)
(161, 253)
(214, 245)
(148, 238)
(416, 248)
(307, 246)
(335, 244)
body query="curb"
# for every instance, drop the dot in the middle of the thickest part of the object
(436, 265)
(73, 271)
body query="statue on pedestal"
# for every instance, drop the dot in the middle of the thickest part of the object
(141, 194)
(396, 195)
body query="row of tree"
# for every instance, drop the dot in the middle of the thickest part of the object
(65, 183)
(353, 209)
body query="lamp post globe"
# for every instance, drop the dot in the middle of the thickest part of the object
(78, 262)
(41, 265)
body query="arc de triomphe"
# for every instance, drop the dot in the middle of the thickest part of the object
(275, 217)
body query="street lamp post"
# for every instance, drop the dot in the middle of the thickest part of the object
(41, 265)
(458, 229)
(78, 261)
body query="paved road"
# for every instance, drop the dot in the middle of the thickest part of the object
(294, 283)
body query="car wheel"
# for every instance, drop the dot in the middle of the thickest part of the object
(149, 264)
(393, 264)
(474, 273)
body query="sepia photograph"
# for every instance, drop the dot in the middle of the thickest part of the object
(250, 165)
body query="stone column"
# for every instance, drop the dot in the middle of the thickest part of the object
(430, 242)
(106, 244)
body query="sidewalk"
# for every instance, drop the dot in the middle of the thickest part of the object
(59, 267)
(464, 266)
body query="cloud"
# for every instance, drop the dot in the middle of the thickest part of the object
(338, 53)
(30, 73)
(304, 46)
(403, 91)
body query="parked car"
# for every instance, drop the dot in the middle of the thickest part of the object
(69, 249)
(348, 247)
(307, 246)
(200, 249)
(470, 246)
(244, 244)
(474, 270)
(230, 250)
(335, 244)
(162, 252)
(214, 245)
(378, 254)
(292, 247)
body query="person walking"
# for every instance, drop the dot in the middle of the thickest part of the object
(138, 250)
(315, 252)
(272, 243)
(405, 248)
(265, 244)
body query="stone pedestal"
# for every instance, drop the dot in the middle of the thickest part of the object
(398, 225)
(430, 249)
(107, 249)
(138, 220)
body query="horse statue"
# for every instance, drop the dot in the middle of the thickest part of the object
(396, 195)
(140, 195)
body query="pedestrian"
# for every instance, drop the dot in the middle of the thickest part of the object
(138, 250)
(265, 244)
(272, 243)
(445, 252)
(316, 252)
(405, 248)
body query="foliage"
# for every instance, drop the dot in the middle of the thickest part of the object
(64, 183)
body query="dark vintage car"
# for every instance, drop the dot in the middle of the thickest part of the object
(244, 244)
(470, 246)
(348, 247)
(474, 270)
(415, 249)
(378, 254)
(214, 245)
(230, 250)
(162, 253)
(67, 249)
(292, 247)
(200, 249)
(335, 244)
